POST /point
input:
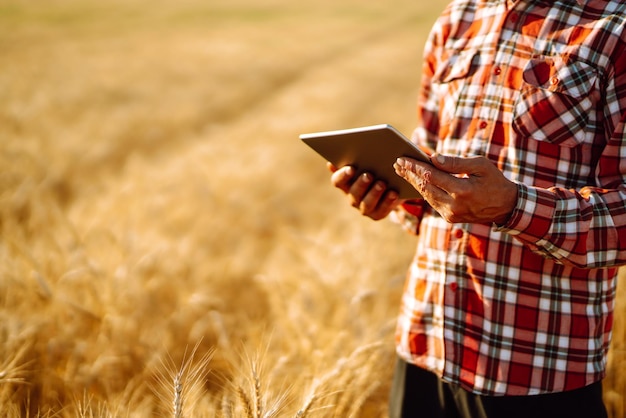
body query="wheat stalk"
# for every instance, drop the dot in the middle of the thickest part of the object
(226, 406)
(250, 384)
(185, 383)
(258, 405)
(302, 412)
(245, 401)
(337, 376)
(358, 403)
(178, 394)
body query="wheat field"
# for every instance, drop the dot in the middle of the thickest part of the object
(168, 247)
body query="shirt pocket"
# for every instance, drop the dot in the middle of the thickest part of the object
(556, 101)
(450, 81)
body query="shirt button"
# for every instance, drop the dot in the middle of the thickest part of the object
(482, 125)
(497, 71)
(458, 233)
(454, 286)
(554, 81)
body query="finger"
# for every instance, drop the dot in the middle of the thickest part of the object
(331, 167)
(418, 175)
(343, 178)
(370, 201)
(359, 188)
(447, 177)
(385, 205)
(425, 179)
(461, 169)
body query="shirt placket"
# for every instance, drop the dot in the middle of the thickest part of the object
(493, 109)
(487, 113)
(497, 68)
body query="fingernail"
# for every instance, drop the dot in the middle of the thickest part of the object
(400, 161)
(366, 177)
(441, 159)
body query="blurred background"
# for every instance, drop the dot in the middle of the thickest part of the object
(167, 244)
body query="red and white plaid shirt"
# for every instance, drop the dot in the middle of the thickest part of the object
(539, 88)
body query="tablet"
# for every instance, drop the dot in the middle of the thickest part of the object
(370, 148)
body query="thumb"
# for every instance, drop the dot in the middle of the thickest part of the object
(455, 165)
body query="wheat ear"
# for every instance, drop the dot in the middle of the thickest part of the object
(178, 394)
(302, 412)
(245, 401)
(258, 406)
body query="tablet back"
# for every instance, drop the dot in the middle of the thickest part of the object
(370, 148)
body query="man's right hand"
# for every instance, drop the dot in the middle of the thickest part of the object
(370, 196)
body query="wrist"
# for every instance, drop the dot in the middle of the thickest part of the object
(511, 197)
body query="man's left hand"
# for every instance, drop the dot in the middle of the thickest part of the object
(462, 189)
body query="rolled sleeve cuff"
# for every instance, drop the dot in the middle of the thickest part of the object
(531, 220)
(409, 215)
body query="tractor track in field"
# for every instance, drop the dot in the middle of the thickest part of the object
(337, 84)
(337, 66)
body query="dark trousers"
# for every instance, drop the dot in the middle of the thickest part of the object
(417, 393)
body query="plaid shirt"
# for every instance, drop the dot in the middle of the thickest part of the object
(539, 88)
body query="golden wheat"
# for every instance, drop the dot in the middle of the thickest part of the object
(154, 197)
(182, 385)
(245, 402)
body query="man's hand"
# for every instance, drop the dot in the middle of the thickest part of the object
(370, 196)
(462, 189)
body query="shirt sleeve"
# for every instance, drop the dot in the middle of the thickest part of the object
(584, 228)
(409, 215)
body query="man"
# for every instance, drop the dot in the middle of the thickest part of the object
(508, 304)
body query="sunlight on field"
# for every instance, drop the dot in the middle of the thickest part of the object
(167, 244)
